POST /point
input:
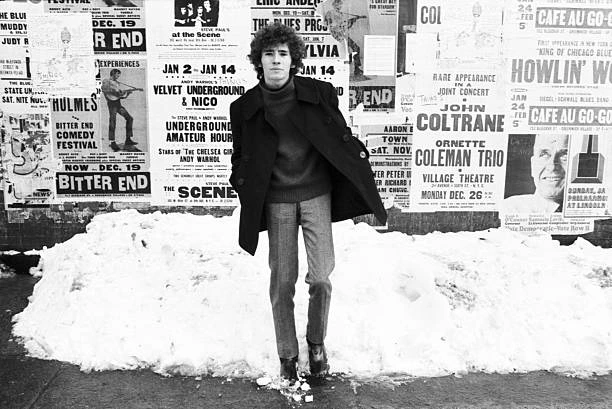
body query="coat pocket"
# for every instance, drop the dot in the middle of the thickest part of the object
(235, 180)
(232, 180)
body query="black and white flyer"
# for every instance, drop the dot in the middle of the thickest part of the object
(390, 148)
(191, 142)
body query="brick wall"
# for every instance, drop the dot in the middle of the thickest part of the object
(35, 228)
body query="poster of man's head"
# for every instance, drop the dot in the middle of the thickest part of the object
(536, 173)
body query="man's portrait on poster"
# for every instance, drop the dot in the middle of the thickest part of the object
(536, 173)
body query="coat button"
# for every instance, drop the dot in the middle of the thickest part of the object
(362, 155)
(240, 182)
(345, 138)
(328, 120)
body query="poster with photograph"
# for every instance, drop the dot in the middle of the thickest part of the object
(390, 148)
(366, 29)
(102, 141)
(191, 141)
(199, 13)
(589, 176)
(198, 29)
(536, 179)
(124, 112)
(62, 58)
(118, 25)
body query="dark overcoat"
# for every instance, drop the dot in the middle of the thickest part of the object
(317, 116)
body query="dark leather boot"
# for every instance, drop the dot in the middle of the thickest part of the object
(317, 357)
(288, 369)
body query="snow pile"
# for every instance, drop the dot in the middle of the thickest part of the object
(176, 294)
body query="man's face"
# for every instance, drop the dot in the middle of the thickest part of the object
(549, 165)
(276, 63)
(115, 75)
(207, 5)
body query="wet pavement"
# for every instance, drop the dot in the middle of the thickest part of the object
(38, 384)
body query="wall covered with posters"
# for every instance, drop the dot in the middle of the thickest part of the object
(476, 114)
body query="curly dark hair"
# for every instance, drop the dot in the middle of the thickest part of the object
(272, 35)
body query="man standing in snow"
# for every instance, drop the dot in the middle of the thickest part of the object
(295, 162)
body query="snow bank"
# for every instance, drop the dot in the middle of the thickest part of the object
(176, 294)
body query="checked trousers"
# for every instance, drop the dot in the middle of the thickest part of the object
(314, 215)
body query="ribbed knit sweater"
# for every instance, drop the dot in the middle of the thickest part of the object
(300, 172)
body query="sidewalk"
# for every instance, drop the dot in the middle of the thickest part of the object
(32, 383)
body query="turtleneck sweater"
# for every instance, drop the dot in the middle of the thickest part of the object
(300, 172)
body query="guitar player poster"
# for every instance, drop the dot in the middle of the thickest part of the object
(101, 141)
(123, 110)
(589, 180)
